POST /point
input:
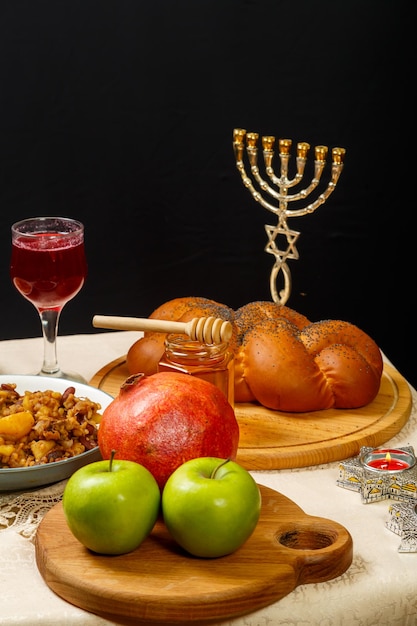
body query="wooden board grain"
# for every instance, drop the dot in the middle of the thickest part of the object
(276, 440)
(158, 583)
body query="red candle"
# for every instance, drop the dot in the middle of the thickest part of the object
(387, 460)
(388, 464)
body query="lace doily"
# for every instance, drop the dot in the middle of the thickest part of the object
(23, 512)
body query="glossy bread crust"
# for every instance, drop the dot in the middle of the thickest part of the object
(282, 360)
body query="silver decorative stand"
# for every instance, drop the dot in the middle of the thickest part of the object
(280, 195)
(402, 520)
(373, 487)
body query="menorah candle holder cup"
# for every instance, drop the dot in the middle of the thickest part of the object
(280, 196)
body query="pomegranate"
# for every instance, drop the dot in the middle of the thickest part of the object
(165, 419)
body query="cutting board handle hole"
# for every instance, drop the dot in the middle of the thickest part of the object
(307, 539)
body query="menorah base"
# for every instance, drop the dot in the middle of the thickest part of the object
(281, 296)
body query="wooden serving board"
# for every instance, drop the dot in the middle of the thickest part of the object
(276, 440)
(158, 583)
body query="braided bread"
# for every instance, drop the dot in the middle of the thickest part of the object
(282, 360)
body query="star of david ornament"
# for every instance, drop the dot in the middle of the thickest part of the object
(374, 486)
(291, 251)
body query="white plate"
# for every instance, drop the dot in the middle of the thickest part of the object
(14, 479)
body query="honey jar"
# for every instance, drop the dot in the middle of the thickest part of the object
(210, 362)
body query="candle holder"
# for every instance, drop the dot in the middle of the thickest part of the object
(402, 520)
(373, 483)
(281, 196)
(390, 460)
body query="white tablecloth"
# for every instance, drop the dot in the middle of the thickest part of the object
(380, 587)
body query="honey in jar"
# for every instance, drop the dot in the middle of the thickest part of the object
(210, 362)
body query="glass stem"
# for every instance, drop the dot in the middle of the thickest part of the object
(49, 321)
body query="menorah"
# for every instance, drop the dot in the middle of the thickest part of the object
(281, 196)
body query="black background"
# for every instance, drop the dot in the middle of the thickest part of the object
(121, 114)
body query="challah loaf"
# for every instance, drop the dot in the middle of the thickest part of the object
(282, 360)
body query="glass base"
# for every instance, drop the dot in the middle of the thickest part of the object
(65, 375)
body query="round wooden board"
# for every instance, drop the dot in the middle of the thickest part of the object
(276, 440)
(158, 583)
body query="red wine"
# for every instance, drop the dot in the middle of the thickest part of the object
(48, 269)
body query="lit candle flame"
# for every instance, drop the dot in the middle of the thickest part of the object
(388, 457)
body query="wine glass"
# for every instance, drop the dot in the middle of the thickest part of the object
(48, 267)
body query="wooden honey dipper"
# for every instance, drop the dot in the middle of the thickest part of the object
(204, 329)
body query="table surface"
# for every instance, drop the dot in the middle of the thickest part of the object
(380, 587)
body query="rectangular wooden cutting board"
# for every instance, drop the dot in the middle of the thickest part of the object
(277, 440)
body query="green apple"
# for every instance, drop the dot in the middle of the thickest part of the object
(111, 506)
(211, 506)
